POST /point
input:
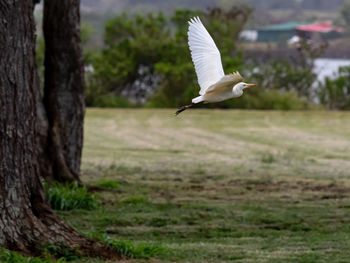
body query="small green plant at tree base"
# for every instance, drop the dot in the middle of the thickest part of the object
(60, 251)
(69, 196)
(7, 256)
(142, 250)
(129, 249)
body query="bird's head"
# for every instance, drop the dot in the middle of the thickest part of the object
(243, 85)
(239, 87)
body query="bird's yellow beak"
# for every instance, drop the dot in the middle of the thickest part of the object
(250, 85)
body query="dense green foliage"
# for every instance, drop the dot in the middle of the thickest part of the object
(336, 93)
(69, 196)
(152, 51)
(146, 62)
(106, 100)
(146, 59)
(287, 75)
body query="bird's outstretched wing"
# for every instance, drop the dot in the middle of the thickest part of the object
(226, 82)
(205, 55)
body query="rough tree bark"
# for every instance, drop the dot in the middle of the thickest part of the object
(26, 220)
(64, 88)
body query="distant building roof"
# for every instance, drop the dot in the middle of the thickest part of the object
(322, 27)
(284, 26)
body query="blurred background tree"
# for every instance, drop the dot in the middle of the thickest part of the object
(147, 58)
(335, 93)
(345, 12)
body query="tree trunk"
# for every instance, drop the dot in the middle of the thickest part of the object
(64, 88)
(26, 220)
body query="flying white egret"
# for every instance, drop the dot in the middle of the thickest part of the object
(214, 85)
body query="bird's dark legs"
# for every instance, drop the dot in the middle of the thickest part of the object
(181, 109)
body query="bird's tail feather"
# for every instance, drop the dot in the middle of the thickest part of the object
(181, 109)
(194, 102)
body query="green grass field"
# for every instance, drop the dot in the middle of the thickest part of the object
(219, 186)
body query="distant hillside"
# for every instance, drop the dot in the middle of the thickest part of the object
(106, 6)
(97, 12)
(118, 6)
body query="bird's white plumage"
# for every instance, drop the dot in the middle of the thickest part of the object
(215, 85)
(205, 55)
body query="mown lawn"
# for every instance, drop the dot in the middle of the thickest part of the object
(219, 186)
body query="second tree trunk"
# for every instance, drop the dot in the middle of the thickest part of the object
(64, 88)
